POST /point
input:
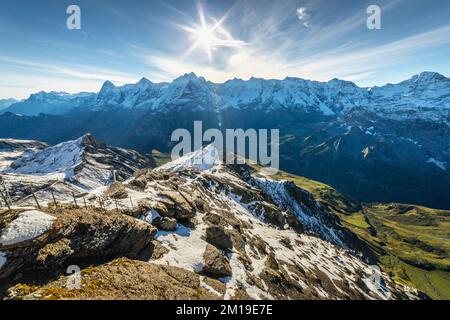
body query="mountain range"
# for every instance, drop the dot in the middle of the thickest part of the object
(388, 143)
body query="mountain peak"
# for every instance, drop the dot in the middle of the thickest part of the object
(428, 76)
(143, 81)
(107, 85)
(188, 77)
(88, 140)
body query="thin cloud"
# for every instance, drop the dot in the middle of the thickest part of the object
(80, 72)
(303, 15)
(352, 65)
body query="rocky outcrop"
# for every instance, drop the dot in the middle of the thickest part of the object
(177, 204)
(73, 236)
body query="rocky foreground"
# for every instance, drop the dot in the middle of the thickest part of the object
(209, 246)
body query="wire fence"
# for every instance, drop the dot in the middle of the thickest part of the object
(78, 199)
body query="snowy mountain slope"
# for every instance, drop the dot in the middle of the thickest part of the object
(204, 159)
(424, 96)
(263, 239)
(267, 252)
(282, 193)
(11, 149)
(70, 167)
(60, 159)
(5, 103)
(56, 103)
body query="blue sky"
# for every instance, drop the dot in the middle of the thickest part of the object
(123, 41)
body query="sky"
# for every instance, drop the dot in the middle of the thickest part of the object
(123, 41)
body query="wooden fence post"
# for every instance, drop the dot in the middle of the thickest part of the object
(53, 197)
(35, 199)
(131, 200)
(74, 200)
(5, 200)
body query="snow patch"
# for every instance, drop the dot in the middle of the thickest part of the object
(28, 225)
(61, 158)
(204, 159)
(186, 247)
(437, 163)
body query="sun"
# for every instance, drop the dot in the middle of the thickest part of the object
(210, 36)
(206, 39)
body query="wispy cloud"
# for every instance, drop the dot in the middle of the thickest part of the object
(354, 65)
(303, 15)
(48, 77)
(78, 72)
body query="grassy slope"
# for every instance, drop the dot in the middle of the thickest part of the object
(412, 243)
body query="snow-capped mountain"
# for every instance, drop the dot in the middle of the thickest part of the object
(11, 150)
(56, 103)
(368, 142)
(424, 96)
(5, 103)
(78, 166)
(244, 235)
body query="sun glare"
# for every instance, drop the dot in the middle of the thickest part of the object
(205, 38)
(210, 36)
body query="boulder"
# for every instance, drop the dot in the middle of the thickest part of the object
(139, 183)
(182, 208)
(165, 208)
(116, 191)
(219, 238)
(216, 263)
(166, 224)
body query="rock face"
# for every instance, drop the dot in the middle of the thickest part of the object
(74, 236)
